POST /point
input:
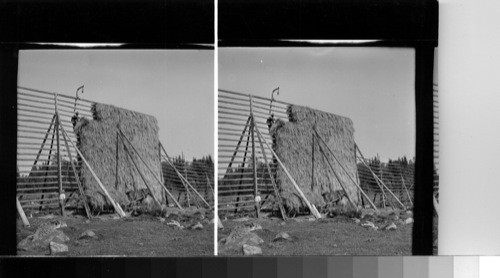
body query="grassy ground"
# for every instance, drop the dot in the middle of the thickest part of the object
(144, 235)
(328, 236)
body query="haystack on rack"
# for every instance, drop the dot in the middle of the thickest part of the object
(108, 153)
(309, 155)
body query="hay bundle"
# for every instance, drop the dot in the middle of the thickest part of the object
(293, 145)
(99, 144)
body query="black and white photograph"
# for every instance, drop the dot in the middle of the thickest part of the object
(316, 150)
(114, 152)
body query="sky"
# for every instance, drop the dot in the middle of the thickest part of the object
(375, 87)
(175, 86)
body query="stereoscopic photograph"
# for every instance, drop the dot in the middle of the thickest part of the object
(114, 152)
(316, 150)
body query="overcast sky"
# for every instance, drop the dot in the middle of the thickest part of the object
(175, 86)
(372, 86)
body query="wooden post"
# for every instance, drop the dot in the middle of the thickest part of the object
(142, 176)
(116, 161)
(20, 210)
(80, 187)
(48, 160)
(312, 208)
(242, 170)
(45, 139)
(356, 184)
(117, 207)
(59, 172)
(275, 187)
(377, 178)
(312, 164)
(408, 193)
(254, 159)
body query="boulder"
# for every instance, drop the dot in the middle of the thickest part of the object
(58, 248)
(282, 236)
(249, 250)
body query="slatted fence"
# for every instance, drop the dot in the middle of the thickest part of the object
(242, 165)
(43, 174)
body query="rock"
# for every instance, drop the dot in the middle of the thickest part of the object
(57, 248)
(242, 219)
(409, 212)
(88, 234)
(282, 236)
(161, 219)
(391, 227)
(370, 225)
(197, 226)
(283, 223)
(116, 217)
(249, 250)
(249, 238)
(175, 224)
(409, 220)
(311, 219)
(87, 221)
(356, 220)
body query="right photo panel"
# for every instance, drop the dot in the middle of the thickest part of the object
(316, 150)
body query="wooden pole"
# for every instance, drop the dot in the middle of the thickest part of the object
(45, 139)
(377, 178)
(59, 172)
(312, 165)
(275, 187)
(357, 185)
(80, 187)
(408, 193)
(48, 161)
(338, 179)
(20, 210)
(150, 170)
(117, 207)
(140, 173)
(312, 208)
(238, 145)
(173, 166)
(242, 170)
(254, 159)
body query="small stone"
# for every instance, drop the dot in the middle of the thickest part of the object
(335, 245)
(116, 217)
(391, 227)
(409, 220)
(161, 219)
(197, 226)
(140, 244)
(283, 223)
(356, 220)
(249, 250)
(311, 219)
(87, 221)
(88, 234)
(175, 224)
(282, 236)
(57, 248)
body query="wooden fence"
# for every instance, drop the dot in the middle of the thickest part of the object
(242, 161)
(44, 163)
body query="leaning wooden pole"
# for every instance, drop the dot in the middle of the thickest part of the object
(150, 170)
(185, 180)
(80, 187)
(117, 207)
(376, 177)
(275, 187)
(21, 213)
(312, 208)
(355, 183)
(59, 170)
(254, 162)
(140, 173)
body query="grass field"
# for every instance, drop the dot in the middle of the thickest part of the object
(327, 236)
(143, 235)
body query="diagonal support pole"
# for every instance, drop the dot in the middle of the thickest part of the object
(275, 187)
(312, 208)
(80, 187)
(117, 207)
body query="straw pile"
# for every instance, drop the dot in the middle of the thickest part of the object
(99, 144)
(294, 142)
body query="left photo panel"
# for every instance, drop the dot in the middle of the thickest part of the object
(115, 152)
